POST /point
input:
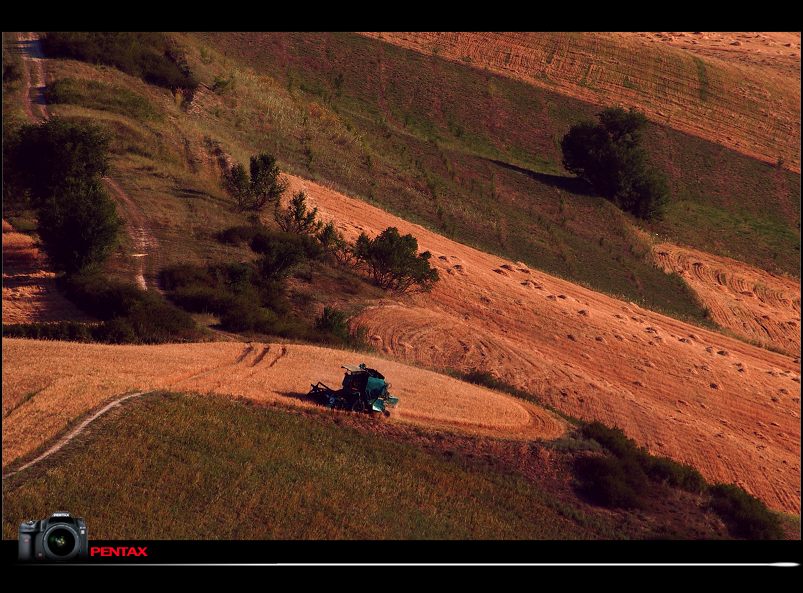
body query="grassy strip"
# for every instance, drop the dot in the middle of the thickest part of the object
(206, 468)
(93, 94)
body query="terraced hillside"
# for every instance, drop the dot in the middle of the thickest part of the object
(675, 388)
(745, 107)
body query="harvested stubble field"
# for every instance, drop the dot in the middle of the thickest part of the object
(746, 106)
(47, 386)
(753, 303)
(730, 409)
(29, 288)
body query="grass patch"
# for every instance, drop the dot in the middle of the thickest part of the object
(226, 470)
(153, 57)
(94, 94)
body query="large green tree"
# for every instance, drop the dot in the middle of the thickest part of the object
(59, 163)
(78, 226)
(609, 155)
(394, 262)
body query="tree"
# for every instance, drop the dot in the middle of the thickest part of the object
(296, 218)
(60, 164)
(394, 261)
(610, 157)
(263, 187)
(266, 186)
(45, 157)
(237, 184)
(78, 226)
(333, 243)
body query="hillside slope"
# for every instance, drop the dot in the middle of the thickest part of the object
(39, 405)
(678, 389)
(752, 303)
(751, 110)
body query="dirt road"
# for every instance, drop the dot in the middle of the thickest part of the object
(34, 80)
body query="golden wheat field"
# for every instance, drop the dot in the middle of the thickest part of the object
(49, 384)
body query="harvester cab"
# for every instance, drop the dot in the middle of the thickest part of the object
(363, 390)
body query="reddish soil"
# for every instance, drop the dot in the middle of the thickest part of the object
(728, 408)
(753, 303)
(29, 287)
(735, 95)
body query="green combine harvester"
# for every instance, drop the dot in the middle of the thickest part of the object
(363, 390)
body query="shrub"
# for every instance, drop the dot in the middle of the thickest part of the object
(394, 261)
(238, 235)
(182, 275)
(333, 243)
(610, 157)
(243, 315)
(281, 252)
(149, 56)
(264, 185)
(745, 515)
(116, 331)
(611, 482)
(672, 473)
(612, 439)
(296, 218)
(202, 299)
(99, 296)
(334, 322)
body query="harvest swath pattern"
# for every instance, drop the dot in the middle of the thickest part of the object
(751, 302)
(753, 112)
(676, 388)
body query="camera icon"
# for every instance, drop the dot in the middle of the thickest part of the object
(58, 538)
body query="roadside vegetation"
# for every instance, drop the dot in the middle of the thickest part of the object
(56, 169)
(613, 471)
(150, 56)
(630, 477)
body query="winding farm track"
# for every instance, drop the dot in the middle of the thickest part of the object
(751, 302)
(748, 106)
(728, 408)
(35, 81)
(38, 406)
(60, 444)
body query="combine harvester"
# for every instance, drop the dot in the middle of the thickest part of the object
(363, 390)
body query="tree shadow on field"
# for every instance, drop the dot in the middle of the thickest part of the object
(573, 185)
(304, 397)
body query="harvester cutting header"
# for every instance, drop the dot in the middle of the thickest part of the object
(363, 390)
